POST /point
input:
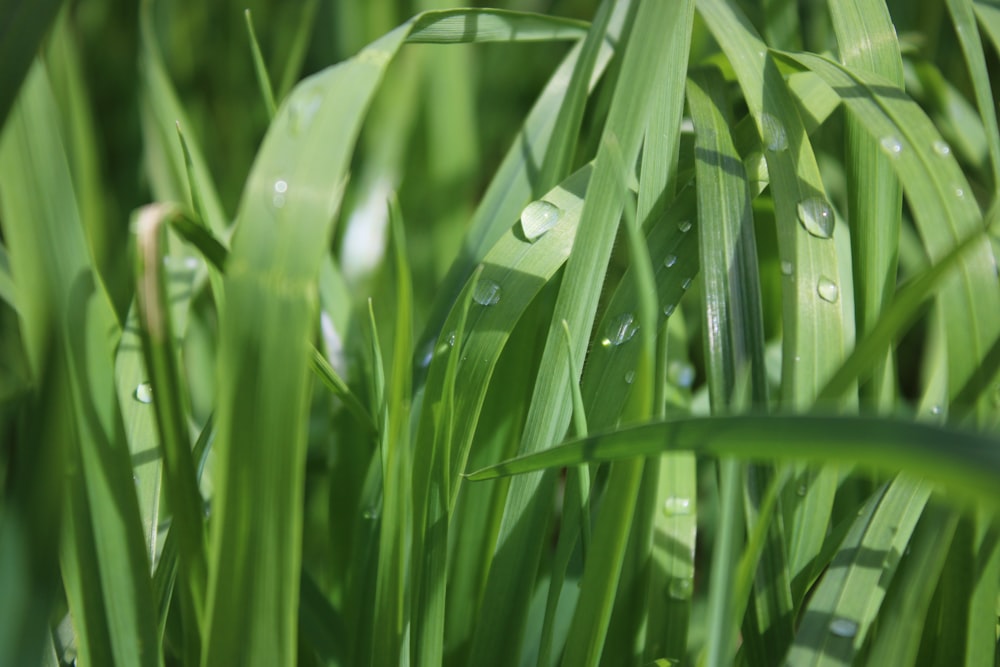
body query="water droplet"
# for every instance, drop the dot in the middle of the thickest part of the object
(620, 330)
(941, 148)
(892, 146)
(684, 226)
(144, 393)
(959, 192)
(843, 627)
(787, 267)
(370, 513)
(827, 290)
(668, 309)
(487, 293)
(670, 261)
(280, 191)
(681, 588)
(630, 377)
(686, 283)
(681, 373)
(801, 491)
(936, 409)
(451, 339)
(816, 217)
(677, 506)
(539, 217)
(774, 136)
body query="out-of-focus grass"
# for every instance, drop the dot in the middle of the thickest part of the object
(391, 243)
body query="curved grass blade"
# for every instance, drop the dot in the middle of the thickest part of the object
(460, 26)
(967, 464)
(167, 398)
(937, 191)
(964, 20)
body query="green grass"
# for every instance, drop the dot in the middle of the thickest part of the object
(592, 333)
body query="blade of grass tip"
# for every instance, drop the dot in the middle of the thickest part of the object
(260, 68)
(528, 501)
(104, 568)
(391, 617)
(964, 19)
(867, 39)
(25, 24)
(299, 46)
(161, 109)
(575, 520)
(165, 383)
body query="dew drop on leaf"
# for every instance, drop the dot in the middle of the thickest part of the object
(677, 506)
(827, 290)
(620, 330)
(681, 588)
(670, 261)
(892, 146)
(539, 217)
(144, 393)
(816, 217)
(843, 627)
(941, 148)
(280, 191)
(684, 226)
(487, 293)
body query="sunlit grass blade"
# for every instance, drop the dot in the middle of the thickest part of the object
(816, 329)
(867, 40)
(909, 595)
(846, 602)
(455, 26)
(516, 180)
(104, 568)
